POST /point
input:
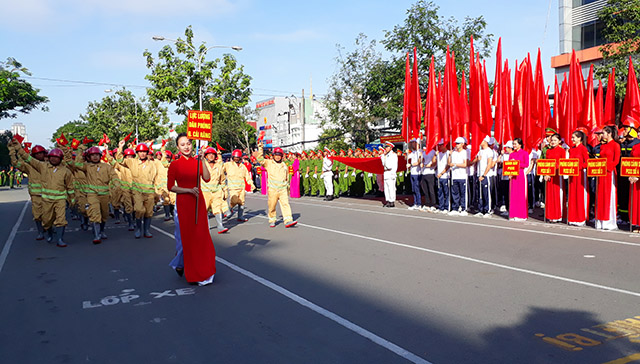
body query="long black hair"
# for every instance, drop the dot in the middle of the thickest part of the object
(611, 129)
(582, 136)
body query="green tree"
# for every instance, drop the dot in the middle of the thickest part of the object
(117, 116)
(333, 138)
(175, 79)
(5, 138)
(621, 33)
(16, 94)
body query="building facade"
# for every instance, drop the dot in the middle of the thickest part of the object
(580, 30)
(292, 123)
(20, 129)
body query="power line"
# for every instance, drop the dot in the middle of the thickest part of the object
(85, 82)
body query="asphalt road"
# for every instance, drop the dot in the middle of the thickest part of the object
(352, 283)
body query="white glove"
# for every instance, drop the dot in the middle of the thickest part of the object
(346, 175)
(306, 176)
(315, 176)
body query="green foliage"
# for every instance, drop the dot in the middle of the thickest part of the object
(175, 79)
(367, 89)
(17, 95)
(117, 115)
(621, 33)
(333, 139)
(5, 138)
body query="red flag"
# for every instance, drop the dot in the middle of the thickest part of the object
(75, 143)
(507, 125)
(575, 98)
(261, 136)
(126, 139)
(516, 110)
(164, 142)
(28, 144)
(555, 121)
(631, 107)
(599, 105)
(101, 141)
(589, 117)
(451, 96)
(106, 139)
(62, 140)
(497, 95)
(218, 147)
(432, 130)
(87, 140)
(19, 138)
(540, 102)
(407, 101)
(609, 117)
(462, 128)
(415, 112)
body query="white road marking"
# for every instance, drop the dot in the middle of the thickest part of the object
(12, 235)
(320, 310)
(483, 225)
(469, 259)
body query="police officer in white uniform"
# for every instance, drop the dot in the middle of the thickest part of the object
(327, 174)
(390, 165)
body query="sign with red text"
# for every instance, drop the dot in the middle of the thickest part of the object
(569, 167)
(391, 138)
(629, 167)
(546, 167)
(597, 167)
(511, 168)
(199, 125)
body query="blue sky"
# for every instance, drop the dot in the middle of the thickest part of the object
(285, 43)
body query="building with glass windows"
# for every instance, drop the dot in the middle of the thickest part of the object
(579, 30)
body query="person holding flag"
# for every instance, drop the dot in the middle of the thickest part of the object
(327, 174)
(629, 140)
(458, 163)
(213, 190)
(145, 175)
(415, 164)
(444, 186)
(607, 194)
(554, 187)
(518, 184)
(278, 186)
(390, 165)
(35, 184)
(237, 175)
(578, 207)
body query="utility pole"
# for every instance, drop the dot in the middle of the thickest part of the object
(302, 111)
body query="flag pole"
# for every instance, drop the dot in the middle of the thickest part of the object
(630, 206)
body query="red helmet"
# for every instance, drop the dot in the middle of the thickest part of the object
(158, 153)
(129, 151)
(93, 150)
(210, 150)
(38, 149)
(168, 153)
(236, 153)
(55, 152)
(142, 148)
(630, 122)
(278, 151)
(176, 156)
(113, 152)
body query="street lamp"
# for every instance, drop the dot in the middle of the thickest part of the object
(200, 57)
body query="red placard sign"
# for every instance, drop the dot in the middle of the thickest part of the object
(597, 167)
(199, 125)
(392, 139)
(629, 167)
(546, 167)
(569, 167)
(511, 168)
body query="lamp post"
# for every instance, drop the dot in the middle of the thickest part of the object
(199, 58)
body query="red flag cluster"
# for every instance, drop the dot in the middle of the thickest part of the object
(525, 112)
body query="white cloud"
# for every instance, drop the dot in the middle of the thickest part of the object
(300, 35)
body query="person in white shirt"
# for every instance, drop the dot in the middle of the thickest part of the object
(414, 165)
(484, 162)
(459, 163)
(444, 202)
(493, 177)
(390, 165)
(473, 186)
(429, 182)
(327, 174)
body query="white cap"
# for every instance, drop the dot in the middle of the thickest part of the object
(509, 144)
(460, 140)
(487, 139)
(441, 141)
(414, 140)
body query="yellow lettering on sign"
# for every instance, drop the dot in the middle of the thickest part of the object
(578, 339)
(626, 359)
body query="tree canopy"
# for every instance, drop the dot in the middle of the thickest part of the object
(175, 79)
(16, 94)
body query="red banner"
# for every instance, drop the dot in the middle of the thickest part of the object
(570, 167)
(629, 167)
(511, 168)
(370, 165)
(597, 167)
(392, 139)
(199, 125)
(546, 167)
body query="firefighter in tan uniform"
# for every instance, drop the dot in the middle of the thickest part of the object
(115, 189)
(145, 176)
(126, 184)
(35, 184)
(57, 188)
(236, 174)
(161, 187)
(99, 177)
(214, 191)
(278, 186)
